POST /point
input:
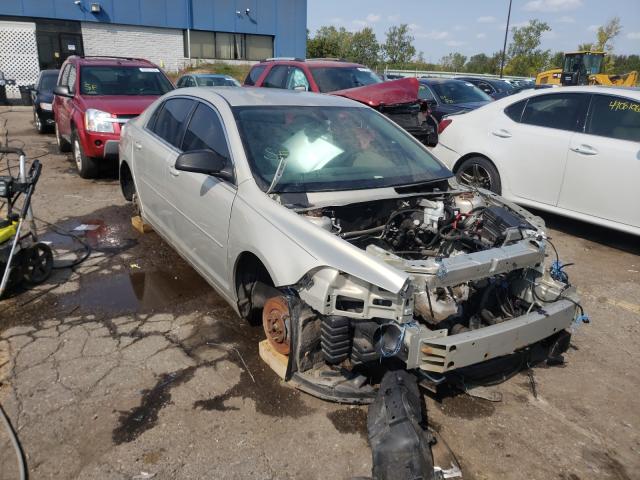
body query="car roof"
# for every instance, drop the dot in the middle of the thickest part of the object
(111, 61)
(625, 91)
(49, 72)
(434, 80)
(216, 75)
(254, 96)
(313, 62)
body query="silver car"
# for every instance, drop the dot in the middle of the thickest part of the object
(353, 245)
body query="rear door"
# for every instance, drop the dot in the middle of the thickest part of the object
(155, 150)
(202, 202)
(602, 177)
(534, 150)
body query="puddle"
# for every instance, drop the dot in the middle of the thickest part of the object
(136, 291)
(466, 406)
(350, 420)
(102, 237)
(144, 417)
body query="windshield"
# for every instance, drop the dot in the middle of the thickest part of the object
(457, 91)
(214, 81)
(123, 81)
(331, 148)
(330, 79)
(48, 82)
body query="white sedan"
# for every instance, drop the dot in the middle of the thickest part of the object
(574, 151)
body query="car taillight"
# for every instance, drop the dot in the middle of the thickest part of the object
(444, 123)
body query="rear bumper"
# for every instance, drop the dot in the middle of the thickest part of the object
(434, 351)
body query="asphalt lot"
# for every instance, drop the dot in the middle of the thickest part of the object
(130, 366)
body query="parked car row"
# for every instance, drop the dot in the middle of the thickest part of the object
(540, 148)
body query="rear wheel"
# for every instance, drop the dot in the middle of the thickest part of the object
(63, 145)
(479, 172)
(87, 166)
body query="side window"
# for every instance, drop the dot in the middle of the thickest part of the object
(276, 77)
(65, 75)
(71, 81)
(170, 123)
(191, 82)
(425, 94)
(614, 117)
(514, 112)
(297, 79)
(205, 131)
(563, 111)
(254, 75)
(181, 82)
(485, 87)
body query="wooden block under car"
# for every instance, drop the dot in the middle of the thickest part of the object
(140, 224)
(275, 360)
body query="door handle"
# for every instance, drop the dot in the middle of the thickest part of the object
(173, 172)
(585, 149)
(137, 145)
(502, 133)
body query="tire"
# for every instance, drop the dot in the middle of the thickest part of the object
(479, 172)
(63, 145)
(37, 122)
(87, 167)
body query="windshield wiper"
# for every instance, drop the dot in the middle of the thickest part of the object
(283, 155)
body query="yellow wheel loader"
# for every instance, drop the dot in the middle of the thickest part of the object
(585, 68)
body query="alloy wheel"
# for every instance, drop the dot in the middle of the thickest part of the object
(475, 175)
(77, 154)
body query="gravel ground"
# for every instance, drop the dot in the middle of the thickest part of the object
(130, 366)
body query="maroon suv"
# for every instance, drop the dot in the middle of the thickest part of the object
(94, 97)
(397, 99)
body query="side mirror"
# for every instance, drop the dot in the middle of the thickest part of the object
(62, 91)
(203, 161)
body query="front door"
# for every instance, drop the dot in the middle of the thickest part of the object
(202, 202)
(603, 165)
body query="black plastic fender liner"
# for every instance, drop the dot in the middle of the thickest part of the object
(400, 447)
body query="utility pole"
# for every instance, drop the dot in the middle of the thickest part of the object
(506, 34)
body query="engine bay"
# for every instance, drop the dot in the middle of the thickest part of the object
(427, 229)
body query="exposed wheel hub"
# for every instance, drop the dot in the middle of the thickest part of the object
(276, 323)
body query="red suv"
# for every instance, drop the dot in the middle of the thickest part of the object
(397, 99)
(94, 97)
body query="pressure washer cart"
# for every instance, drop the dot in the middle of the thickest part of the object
(23, 259)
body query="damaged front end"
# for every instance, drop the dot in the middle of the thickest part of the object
(476, 290)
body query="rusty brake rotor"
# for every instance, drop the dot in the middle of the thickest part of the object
(275, 320)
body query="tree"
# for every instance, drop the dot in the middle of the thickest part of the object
(625, 63)
(524, 56)
(365, 48)
(329, 42)
(604, 42)
(482, 63)
(556, 60)
(453, 62)
(398, 47)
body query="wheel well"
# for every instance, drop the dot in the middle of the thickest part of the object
(249, 273)
(126, 182)
(470, 155)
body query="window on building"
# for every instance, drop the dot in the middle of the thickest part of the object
(228, 46)
(203, 44)
(259, 47)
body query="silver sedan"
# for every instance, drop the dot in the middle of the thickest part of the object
(344, 236)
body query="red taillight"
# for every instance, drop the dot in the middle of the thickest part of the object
(444, 123)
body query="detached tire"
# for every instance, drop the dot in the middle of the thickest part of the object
(479, 172)
(87, 167)
(63, 145)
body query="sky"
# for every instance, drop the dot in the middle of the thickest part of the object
(477, 26)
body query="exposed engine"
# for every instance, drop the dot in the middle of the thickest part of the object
(416, 234)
